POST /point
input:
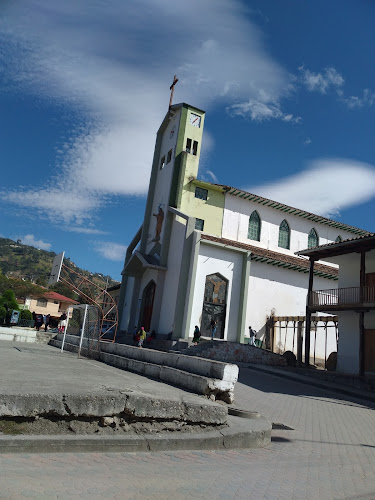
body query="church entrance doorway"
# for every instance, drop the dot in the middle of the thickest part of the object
(214, 305)
(147, 305)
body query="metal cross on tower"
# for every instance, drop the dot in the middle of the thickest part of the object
(171, 88)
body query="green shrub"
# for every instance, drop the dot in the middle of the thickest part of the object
(26, 314)
(3, 314)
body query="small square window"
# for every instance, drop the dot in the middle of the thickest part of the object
(201, 193)
(199, 224)
(195, 148)
(169, 156)
(162, 162)
(188, 145)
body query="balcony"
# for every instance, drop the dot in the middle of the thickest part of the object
(343, 299)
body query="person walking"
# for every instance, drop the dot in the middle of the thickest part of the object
(252, 334)
(213, 328)
(142, 336)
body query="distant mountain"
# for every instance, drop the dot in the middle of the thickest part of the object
(31, 264)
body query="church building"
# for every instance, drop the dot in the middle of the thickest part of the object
(208, 251)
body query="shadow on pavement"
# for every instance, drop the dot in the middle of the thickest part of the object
(271, 383)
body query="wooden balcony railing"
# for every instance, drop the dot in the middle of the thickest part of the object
(355, 295)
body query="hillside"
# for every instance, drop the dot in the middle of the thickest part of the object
(34, 265)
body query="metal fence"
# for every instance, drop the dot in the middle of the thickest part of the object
(28, 323)
(85, 323)
(343, 296)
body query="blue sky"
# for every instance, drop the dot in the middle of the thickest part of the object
(288, 89)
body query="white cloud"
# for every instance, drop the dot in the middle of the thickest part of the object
(325, 188)
(213, 176)
(61, 205)
(110, 251)
(328, 79)
(84, 230)
(354, 102)
(261, 111)
(29, 239)
(307, 141)
(102, 67)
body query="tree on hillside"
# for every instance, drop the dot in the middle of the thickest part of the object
(63, 289)
(20, 288)
(7, 304)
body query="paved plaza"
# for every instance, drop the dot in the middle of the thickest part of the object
(323, 447)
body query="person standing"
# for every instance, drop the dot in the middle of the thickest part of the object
(252, 334)
(142, 336)
(197, 335)
(46, 321)
(213, 328)
(62, 322)
(38, 321)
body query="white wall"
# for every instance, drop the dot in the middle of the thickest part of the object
(280, 290)
(228, 263)
(236, 223)
(163, 182)
(348, 349)
(127, 305)
(168, 305)
(349, 266)
(349, 275)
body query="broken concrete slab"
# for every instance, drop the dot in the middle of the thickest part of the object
(38, 380)
(240, 433)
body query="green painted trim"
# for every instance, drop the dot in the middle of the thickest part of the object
(178, 180)
(292, 267)
(242, 309)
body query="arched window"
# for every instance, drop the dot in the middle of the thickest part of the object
(313, 239)
(338, 239)
(284, 235)
(254, 226)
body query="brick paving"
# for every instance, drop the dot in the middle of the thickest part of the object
(329, 454)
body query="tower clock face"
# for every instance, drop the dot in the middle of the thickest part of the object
(195, 120)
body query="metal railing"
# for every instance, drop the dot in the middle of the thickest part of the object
(30, 323)
(354, 295)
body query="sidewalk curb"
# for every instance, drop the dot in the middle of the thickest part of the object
(240, 433)
(303, 379)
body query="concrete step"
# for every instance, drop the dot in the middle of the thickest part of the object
(202, 376)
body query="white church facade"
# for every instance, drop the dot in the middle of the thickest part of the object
(207, 251)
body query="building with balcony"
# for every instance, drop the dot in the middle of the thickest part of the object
(209, 251)
(353, 301)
